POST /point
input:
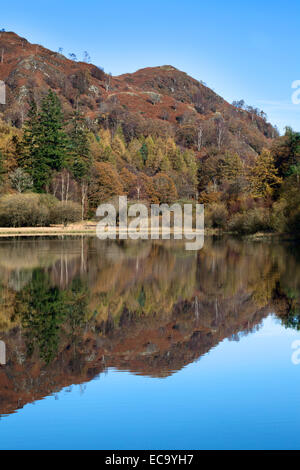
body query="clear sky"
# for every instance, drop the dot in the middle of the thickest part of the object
(242, 49)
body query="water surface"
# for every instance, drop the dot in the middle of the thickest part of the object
(142, 345)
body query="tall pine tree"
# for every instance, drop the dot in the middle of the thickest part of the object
(44, 143)
(79, 156)
(51, 141)
(29, 141)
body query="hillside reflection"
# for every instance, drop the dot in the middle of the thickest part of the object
(71, 308)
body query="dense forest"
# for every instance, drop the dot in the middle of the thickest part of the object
(72, 137)
(58, 170)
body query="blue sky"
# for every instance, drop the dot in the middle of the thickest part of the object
(243, 50)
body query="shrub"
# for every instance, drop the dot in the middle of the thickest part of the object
(23, 210)
(253, 221)
(65, 212)
(48, 200)
(217, 215)
(237, 223)
(278, 216)
(36, 210)
(294, 220)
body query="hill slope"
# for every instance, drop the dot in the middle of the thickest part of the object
(162, 99)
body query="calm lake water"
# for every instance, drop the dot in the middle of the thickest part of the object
(144, 345)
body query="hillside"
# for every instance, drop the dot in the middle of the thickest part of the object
(72, 131)
(161, 100)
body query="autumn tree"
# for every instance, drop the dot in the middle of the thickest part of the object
(165, 188)
(264, 176)
(9, 147)
(105, 183)
(129, 182)
(145, 188)
(232, 174)
(2, 169)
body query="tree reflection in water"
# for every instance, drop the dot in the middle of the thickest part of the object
(71, 308)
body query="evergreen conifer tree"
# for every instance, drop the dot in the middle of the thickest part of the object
(44, 143)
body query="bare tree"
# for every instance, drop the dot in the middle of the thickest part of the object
(20, 180)
(200, 137)
(84, 191)
(64, 187)
(220, 128)
(108, 82)
(73, 56)
(86, 57)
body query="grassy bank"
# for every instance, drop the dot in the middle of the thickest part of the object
(89, 228)
(72, 229)
(82, 228)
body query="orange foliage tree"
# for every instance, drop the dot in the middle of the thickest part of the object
(105, 183)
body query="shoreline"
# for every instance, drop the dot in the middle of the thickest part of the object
(54, 230)
(89, 228)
